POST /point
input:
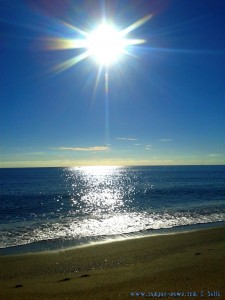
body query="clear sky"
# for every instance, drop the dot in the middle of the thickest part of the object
(165, 102)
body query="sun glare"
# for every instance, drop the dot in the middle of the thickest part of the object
(106, 44)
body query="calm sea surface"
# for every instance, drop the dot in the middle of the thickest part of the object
(53, 208)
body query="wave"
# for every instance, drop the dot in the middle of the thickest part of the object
(92, 227)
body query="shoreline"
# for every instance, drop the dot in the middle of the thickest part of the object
(192, 261)
(33, 249)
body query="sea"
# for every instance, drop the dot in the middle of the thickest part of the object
(49, 209)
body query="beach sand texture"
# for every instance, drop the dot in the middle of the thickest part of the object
(183, 262)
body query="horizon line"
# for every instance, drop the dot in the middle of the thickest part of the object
(118, 166)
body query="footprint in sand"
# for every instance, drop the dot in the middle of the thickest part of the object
(64, 279)
(85, 275)
(18, 286)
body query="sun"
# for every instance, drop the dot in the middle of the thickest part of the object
(106, 44)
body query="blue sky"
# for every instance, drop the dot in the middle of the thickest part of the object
(165, 104)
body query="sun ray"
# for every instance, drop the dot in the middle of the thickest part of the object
(134, 41)
(106, 107)
(74, 28)
(106, 82)
(63, 44)
(135, 25)
(70, 62)
(97, 80)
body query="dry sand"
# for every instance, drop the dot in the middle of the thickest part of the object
(188, 263)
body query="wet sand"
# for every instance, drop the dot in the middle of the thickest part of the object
(192, 262)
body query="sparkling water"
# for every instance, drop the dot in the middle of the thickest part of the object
(53, 208)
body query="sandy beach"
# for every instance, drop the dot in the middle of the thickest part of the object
(182, 266)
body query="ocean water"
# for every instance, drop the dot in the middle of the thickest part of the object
(55, 208)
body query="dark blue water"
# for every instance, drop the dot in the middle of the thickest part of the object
(51, 208)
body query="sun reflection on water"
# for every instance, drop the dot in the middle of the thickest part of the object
(97, 190)
(87, 204)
